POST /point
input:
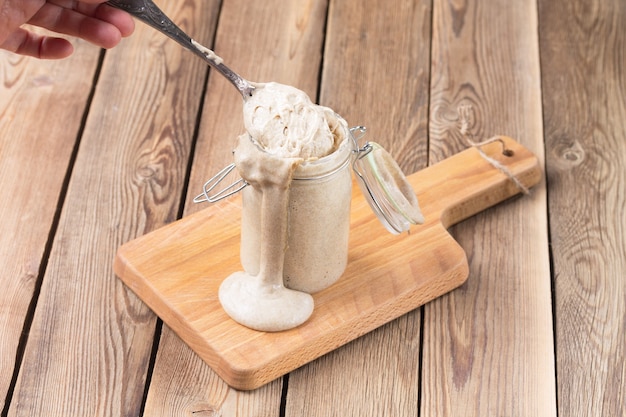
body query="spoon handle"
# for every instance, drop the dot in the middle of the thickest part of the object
(149, 13)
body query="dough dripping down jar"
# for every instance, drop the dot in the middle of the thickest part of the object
(296, 162)
(318, 212)
(318, 221)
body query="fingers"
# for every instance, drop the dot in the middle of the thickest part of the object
(118, 18)
(23, 42)
(99, 24)
(91, 20)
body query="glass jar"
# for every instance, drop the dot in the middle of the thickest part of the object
(318, 216)
(318, 221)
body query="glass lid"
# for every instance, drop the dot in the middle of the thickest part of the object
(386, 188)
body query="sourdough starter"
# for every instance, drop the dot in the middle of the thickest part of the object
(296, 212)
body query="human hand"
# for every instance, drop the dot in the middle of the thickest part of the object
(90, 20)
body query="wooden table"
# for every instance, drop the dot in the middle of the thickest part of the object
(104, 147)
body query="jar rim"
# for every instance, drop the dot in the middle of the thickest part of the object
(328, 165)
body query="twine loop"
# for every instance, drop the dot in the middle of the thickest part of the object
(464, 112)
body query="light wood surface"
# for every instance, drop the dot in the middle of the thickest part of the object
(586, 156)
(34, 165)
(127, 178)
(375, 90)
(537, 328)
(492, 340)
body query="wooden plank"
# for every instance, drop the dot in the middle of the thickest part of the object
(41, 107)
(184, 383)
(584, 83)
(488, 347)
(263, 41)
(91, 338)
(370, 46)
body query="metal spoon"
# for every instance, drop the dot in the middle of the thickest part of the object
(149, 13)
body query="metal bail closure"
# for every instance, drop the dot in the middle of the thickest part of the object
(386, 189)
(227, 191)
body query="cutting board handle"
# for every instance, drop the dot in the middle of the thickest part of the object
(467, 183)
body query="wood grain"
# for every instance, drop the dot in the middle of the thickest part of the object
(583, 61)
(41, 107)
(488, 347)
(263, 41)
(91, 339)
(370, 47)
(485, 349)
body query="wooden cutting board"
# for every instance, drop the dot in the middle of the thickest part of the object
(177, 270)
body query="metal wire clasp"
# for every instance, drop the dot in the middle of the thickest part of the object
(233, 188)
(358, 132)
